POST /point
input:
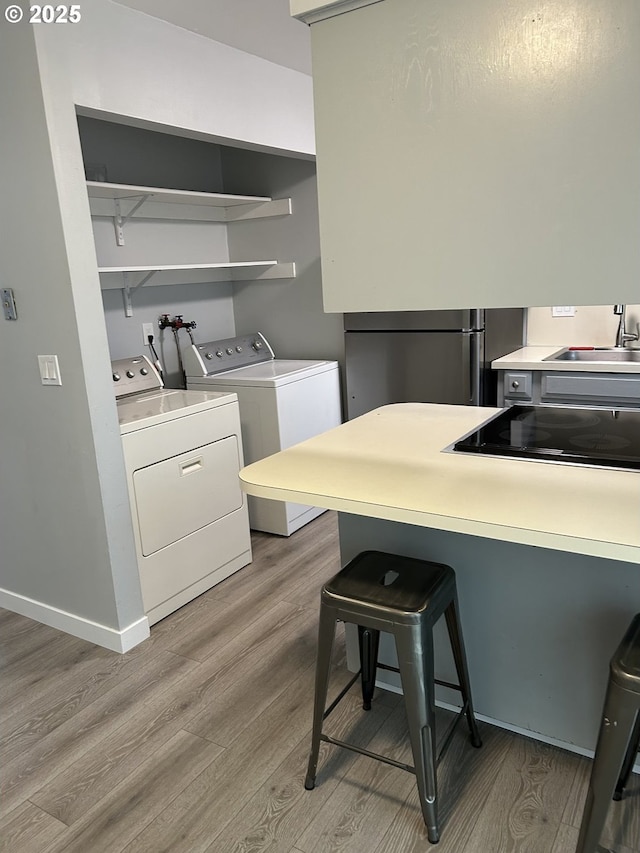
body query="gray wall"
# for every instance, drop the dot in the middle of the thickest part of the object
(68, 553)
(147, 158)
(65, 527)
(289, 312)
(539, 625)
(210, 305)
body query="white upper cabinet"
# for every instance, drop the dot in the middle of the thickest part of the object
(477, 152)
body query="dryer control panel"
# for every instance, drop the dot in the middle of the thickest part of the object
(228, 354)
(134, 375)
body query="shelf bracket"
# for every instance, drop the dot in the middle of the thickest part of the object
(119, 219)
(128, 289)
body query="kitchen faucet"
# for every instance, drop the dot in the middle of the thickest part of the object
(622, 336)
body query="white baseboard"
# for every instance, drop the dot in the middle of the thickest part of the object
(109, 638)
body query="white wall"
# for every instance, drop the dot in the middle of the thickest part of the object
(262, 27)
(592, 325)
(67, 546)
(127, 64)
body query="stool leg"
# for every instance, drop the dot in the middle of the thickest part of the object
(629, 760)
(415, 661)
(368, 640)
(457, 646)
(326, 634)
(618, 716)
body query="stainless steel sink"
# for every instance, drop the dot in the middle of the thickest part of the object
(600, 355)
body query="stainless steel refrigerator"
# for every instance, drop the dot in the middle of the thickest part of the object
(426, 356)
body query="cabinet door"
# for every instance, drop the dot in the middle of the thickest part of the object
(478, 153)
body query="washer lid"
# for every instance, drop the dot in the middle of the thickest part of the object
(279, 371)
(145, 410)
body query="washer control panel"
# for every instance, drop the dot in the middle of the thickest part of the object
(228, 354)
(134, 375)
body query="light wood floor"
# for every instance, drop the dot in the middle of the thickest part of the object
(197, 740)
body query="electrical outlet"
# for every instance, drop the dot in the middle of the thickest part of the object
(563, 311)
(147, 329)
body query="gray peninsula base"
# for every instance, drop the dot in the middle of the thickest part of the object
(539, 625)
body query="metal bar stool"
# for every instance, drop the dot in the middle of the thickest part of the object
(403, 597)
(618, 740)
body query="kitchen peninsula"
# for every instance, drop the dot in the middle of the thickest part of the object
(547, 556)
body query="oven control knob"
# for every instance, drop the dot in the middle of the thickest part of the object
(515, 384)
(130, 374)
(219, 353)
(229, 351)
(116, 377)
(208, 355)
(257, 345)
(143, 371)
(238, 349)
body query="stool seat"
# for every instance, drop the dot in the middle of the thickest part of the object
(403, 586)
(402, 596)
(618, 739)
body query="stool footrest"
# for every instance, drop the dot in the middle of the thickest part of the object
(368, 753)
(376, 755)
(342, 694)
(450, 731)
(448, 684)
(439, 681)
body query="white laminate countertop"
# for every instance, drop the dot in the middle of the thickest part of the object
(532, 358)
(389, 463)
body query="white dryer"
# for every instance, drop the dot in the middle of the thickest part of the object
(183, 452)
(282, 402)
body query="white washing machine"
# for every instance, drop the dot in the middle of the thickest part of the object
(183, 452)
(282, 402)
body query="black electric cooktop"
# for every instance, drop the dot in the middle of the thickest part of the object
(545, 433)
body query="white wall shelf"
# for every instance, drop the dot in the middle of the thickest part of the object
(123, 202)
(129, 279)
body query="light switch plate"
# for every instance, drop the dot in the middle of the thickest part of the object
(49, 370)
(563, 311)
